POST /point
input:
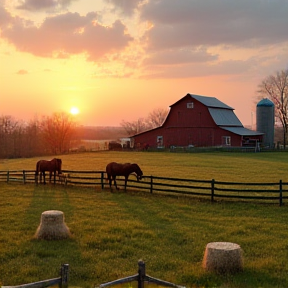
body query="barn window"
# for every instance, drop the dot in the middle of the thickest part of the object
(159, 141)
(226, 140)
(190, 105)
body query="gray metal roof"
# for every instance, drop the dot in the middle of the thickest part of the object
(210, 101)
(242, 131)
(224, 117)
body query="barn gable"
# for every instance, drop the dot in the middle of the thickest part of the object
(198, 121)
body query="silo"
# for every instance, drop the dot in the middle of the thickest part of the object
(265, 120)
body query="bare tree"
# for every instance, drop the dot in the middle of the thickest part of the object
(33, 139)
(57, 131)
(9, 130)
(275, 87)
(134, 127)
(155, 119)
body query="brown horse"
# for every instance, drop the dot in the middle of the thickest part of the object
(114, 169)
(48, 165)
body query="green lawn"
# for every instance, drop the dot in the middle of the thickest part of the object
(112, 231)
(238, 167)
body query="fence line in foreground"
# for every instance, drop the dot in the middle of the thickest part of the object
(140, 278)
(273, 192)
(61, 281)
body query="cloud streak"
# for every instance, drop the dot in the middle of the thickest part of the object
(36, 5)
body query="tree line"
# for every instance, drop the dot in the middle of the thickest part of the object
(52, 135)
(49, 135)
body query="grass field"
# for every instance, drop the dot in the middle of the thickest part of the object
(112, 231)
(246, 167)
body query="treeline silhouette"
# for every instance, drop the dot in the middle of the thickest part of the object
(50, 135)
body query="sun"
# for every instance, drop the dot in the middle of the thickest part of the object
(74, 111)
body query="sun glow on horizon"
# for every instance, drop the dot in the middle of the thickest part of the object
(74, 110)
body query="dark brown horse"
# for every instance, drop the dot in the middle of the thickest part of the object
(114, 169)
(48, 165)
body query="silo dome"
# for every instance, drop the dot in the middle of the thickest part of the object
(266, 103)
(265, 120)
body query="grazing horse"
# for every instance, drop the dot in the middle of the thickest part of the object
(114, 169)
(48, 165)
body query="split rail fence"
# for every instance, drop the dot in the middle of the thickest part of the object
(140, 278)
(272, 192)
(61, 281)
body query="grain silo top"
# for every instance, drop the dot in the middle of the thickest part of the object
(266, 103)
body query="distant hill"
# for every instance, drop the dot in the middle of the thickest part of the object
(99, 133)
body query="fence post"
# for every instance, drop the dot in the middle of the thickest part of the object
(212, 190)
(102, 180)
(7, 176)
(64, 275)
(280, 193)
(24, 177)
(151, 184)
(141, 273)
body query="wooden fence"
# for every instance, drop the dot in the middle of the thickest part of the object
(141, 278)
(61, 281)
(273, 192)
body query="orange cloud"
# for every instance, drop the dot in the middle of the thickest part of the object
(59, 35)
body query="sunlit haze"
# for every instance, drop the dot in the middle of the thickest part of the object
(74, 111)
(119, 60)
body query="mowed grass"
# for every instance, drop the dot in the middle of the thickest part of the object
(238, 167)
(112, 231)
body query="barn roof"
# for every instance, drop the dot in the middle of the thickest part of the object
(224, 117)
(242, 131)
(210, 101)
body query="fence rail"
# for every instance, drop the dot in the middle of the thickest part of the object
(141, 278)
(272, 192)
(61, 281)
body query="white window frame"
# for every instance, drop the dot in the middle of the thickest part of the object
(226, 140)
(190, 105)
(159, 141)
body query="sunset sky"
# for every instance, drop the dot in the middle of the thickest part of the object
(119, 60)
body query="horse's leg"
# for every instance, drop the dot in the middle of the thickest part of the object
(44, 174)
(114, 178)
(50, 177)
(109, 177)
(126, 179)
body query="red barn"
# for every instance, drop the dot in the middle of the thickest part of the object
(198, 121)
